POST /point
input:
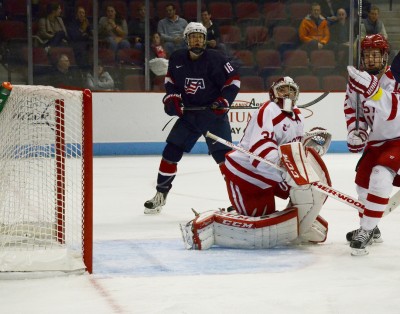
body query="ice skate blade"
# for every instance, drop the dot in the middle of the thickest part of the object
(152, 211)
(359, 252)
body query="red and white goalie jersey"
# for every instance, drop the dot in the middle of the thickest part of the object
(383, 126)
(268, 128)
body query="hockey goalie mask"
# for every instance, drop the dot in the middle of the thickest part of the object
(374, 53)
(285, 93)
(195, 37)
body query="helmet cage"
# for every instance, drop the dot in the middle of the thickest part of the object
(274, 93)
(376, 41)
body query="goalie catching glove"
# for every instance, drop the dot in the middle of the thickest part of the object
(173, 105)
(362, 82)
(356, 140)
(317, 138)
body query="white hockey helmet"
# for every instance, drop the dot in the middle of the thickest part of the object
(285, 99)
(195, 27)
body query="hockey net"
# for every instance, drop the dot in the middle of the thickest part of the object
(46, 180)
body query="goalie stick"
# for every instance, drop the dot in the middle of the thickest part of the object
(309, 104)
(323, 188)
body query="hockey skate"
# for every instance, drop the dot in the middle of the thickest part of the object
(154, 206)
(377, 237)
(360, 242)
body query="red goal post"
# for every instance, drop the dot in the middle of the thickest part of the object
(46, 181)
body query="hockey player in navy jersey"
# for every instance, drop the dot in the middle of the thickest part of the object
(196, 78)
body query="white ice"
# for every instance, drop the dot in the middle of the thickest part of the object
(141, 266)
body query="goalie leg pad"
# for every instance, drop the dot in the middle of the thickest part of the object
(244, 232)
(198, 234)
(317, 233)
(308, 200)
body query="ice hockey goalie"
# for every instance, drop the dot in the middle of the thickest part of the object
(299, 222)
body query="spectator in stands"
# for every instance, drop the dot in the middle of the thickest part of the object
(314, 31)
(340, 36)
(104, 82)
(51, 29)
(157, 48)
(372, 24)
(136, 28)
(171, 29)
(329, 9)
(114, 29)
(213, 34)
(80, 34)
(62, 76)
(159, 58)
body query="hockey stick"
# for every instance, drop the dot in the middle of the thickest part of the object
(394, 202)
(313, 102)
(309, 104)
(358, 101)
(321, 187)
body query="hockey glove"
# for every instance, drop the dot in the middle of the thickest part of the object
(356, 141)
(362, 82)
(220, 106)
(173, 105)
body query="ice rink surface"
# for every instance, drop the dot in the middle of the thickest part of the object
(141, 266)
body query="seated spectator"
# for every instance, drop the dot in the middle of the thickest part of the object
(329, 9)
(171, 29)
(104, 82)
(372, 24)
(80, 34)
(213, 34)
(157, 49)
(314, 31)
(62, 76)
(158, 63)
(114, 29)
(136, 28)
(340, 36)
(51, 29)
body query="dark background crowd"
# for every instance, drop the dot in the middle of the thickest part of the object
(308, 40)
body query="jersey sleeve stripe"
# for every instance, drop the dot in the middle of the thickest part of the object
(395, 103)
(262, 154)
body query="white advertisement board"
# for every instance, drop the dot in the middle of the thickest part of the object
(135, 123)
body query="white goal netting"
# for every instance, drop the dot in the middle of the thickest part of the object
(45, 180)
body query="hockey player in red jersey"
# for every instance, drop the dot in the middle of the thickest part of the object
(374, 58)
(253, 185)
(379, 137)
(197, 77)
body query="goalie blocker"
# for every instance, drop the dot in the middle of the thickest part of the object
(298, 223)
